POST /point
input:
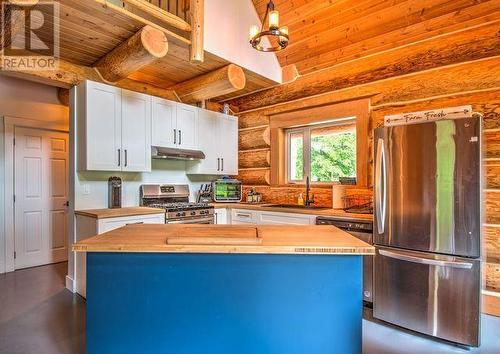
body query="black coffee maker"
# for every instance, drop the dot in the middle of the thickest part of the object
(115, 192)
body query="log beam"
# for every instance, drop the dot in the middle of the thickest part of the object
(197, 9)
(143, 48)
(223, 81)
(68, 75)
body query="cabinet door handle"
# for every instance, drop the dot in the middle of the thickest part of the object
(218, 164)
(175, 136)
(180, 137)
(119, 157)
(222, 159)
(126, 158)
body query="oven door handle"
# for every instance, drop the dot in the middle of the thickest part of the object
(427, 261)
(209, 220)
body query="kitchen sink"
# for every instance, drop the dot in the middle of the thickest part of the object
(295, 206)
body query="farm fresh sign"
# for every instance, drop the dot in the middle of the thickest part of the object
(428, 116)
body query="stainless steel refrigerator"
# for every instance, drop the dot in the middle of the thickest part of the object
(427, 228)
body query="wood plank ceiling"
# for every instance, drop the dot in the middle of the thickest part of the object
(327, 32)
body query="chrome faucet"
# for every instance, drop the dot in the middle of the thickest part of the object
(308, 201)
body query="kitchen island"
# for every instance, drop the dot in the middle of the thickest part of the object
(224, 289)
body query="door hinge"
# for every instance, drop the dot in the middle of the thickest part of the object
(15, 254)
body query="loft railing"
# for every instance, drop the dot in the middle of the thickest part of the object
(178, 8)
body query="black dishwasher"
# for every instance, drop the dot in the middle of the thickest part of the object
(362, 229)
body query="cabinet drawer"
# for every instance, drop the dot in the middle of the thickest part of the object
(243, 217)
(266, 218)
(106, 225)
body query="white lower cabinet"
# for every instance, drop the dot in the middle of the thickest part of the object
(222, 217)
(256, 217)
(88, 226)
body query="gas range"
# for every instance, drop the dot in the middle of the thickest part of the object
(175, 200)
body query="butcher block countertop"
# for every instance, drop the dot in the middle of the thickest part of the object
(299, 210)
(265, 239)
(119, 212)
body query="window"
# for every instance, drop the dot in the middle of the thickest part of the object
(322, 152)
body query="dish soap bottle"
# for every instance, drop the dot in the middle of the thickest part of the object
(300, 200)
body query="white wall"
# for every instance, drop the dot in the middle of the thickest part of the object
(227, 25)
(28, 100)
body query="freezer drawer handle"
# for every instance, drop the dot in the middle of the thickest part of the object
(433, 262)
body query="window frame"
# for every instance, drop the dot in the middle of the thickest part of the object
(306, 146)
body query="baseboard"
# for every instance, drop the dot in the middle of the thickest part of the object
(70, 284)
(491, 303)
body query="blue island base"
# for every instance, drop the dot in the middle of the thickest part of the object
(159, 303)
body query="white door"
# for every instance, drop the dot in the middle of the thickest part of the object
(207, 142)
(103, 131)
(136, 132)
(41, 192)
(228, 144)
(163, 123)
(187, 125)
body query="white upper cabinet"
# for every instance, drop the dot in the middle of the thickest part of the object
(218, 139)
(228, 144)
(114, 129)
(136, 131)
(164, 115)
(175, 125)
(99, 127)
(187, 127)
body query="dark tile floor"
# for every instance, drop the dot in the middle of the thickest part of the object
(39, 316)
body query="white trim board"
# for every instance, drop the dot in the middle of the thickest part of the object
(8, 135)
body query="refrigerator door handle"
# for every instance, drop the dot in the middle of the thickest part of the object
(427, 261)
(381, 186)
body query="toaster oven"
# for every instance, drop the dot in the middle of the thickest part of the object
(227, 191)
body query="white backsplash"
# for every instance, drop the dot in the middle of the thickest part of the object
(91, 190)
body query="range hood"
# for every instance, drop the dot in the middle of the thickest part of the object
(176, 154)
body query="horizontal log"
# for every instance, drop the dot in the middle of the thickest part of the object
(140, 50)
(468, 45)
(223, 81)
(492, 271)
(219, 107)
(254, 139)
(258, 177)
(491, 304)
(492, 207)
(492, 242)
(493, 177)
(252, 119)
(492, 144)
(63, 96)
(255, 158)
(290, 195)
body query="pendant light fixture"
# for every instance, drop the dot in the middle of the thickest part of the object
(276, 36)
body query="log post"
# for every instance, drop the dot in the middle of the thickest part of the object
(197, 9)
(143, 48)
(254, 138)
(255, 176)
(217, 83)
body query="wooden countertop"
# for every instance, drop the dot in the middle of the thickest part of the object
(320, 212)
(118, 212)
(265, 239)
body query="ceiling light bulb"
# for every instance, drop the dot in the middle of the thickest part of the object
(254, 30)
(284, 30)
(274, 19)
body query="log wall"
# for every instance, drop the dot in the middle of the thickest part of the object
(460, 79)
